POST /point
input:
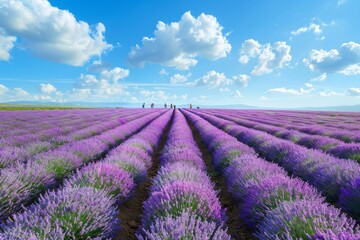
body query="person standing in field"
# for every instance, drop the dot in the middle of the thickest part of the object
(165, 105)
(152, 105)
(143, 105)
(190, 105)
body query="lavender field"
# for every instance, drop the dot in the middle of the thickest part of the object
(179, 174)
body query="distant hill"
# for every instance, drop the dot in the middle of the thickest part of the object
(349, 108)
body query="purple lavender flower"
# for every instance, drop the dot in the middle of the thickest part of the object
(75, 213)
(180, 171)
(184, 226)
(12, 155)
(300, 219)
(58, 162)
(266, 194)
(109, 177)
(348, 151)
(350, 199)
(133, 165)
(174, 198)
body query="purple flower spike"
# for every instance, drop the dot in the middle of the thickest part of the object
(301, 219)
(185, 226)
(109, 177)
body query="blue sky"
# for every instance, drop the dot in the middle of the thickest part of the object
(263, 53)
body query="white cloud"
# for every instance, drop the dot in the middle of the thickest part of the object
(178, 78)
(115, 74)
(315, 28)
(242, 79)
(290, 91)
(249, 49)
(341, 2)
(156, 96)
(264, 99)
(329, 93)
(52, 33)
(163, 72)
(3, 89)
(237, 94)
(344, 60)
(178, 44)
(47, 88)
(213, 79)
(353, 69)
(354, 92)
(19, 92)
(320, 78)
(104, 87)
(309, 85)
(269, 56)
(6, 44)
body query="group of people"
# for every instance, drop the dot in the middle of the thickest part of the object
(152, 105)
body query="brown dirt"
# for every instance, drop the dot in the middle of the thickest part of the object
(236, 228)
(130, 212)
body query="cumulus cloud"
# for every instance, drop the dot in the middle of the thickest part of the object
(163, 72)
(329, 93)
(320, 78)
(178, 78)
(52, 33)
(161, 95)
(345, 60)
(115, 74)
(269, 57)
(353, 69)
(19, 92)
(47, 88)
(178, 44)
(242, 79)
(354, 92)
(3, 89)
(213, 79)
(313, 27)
(291, 91)
(6, 44)
(101, 87)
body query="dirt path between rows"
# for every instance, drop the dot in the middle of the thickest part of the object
(236, 228)
(130, 212)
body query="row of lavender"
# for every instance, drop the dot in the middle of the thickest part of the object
(328, 119)
(10, 155)
(86, 206)
(34, 150)
(22, 183)
(23, 123)
(337, 179)
(183, 203)
(326, 144)
(331, 120)
(55, 127)
(339, 132)
(272, 203)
